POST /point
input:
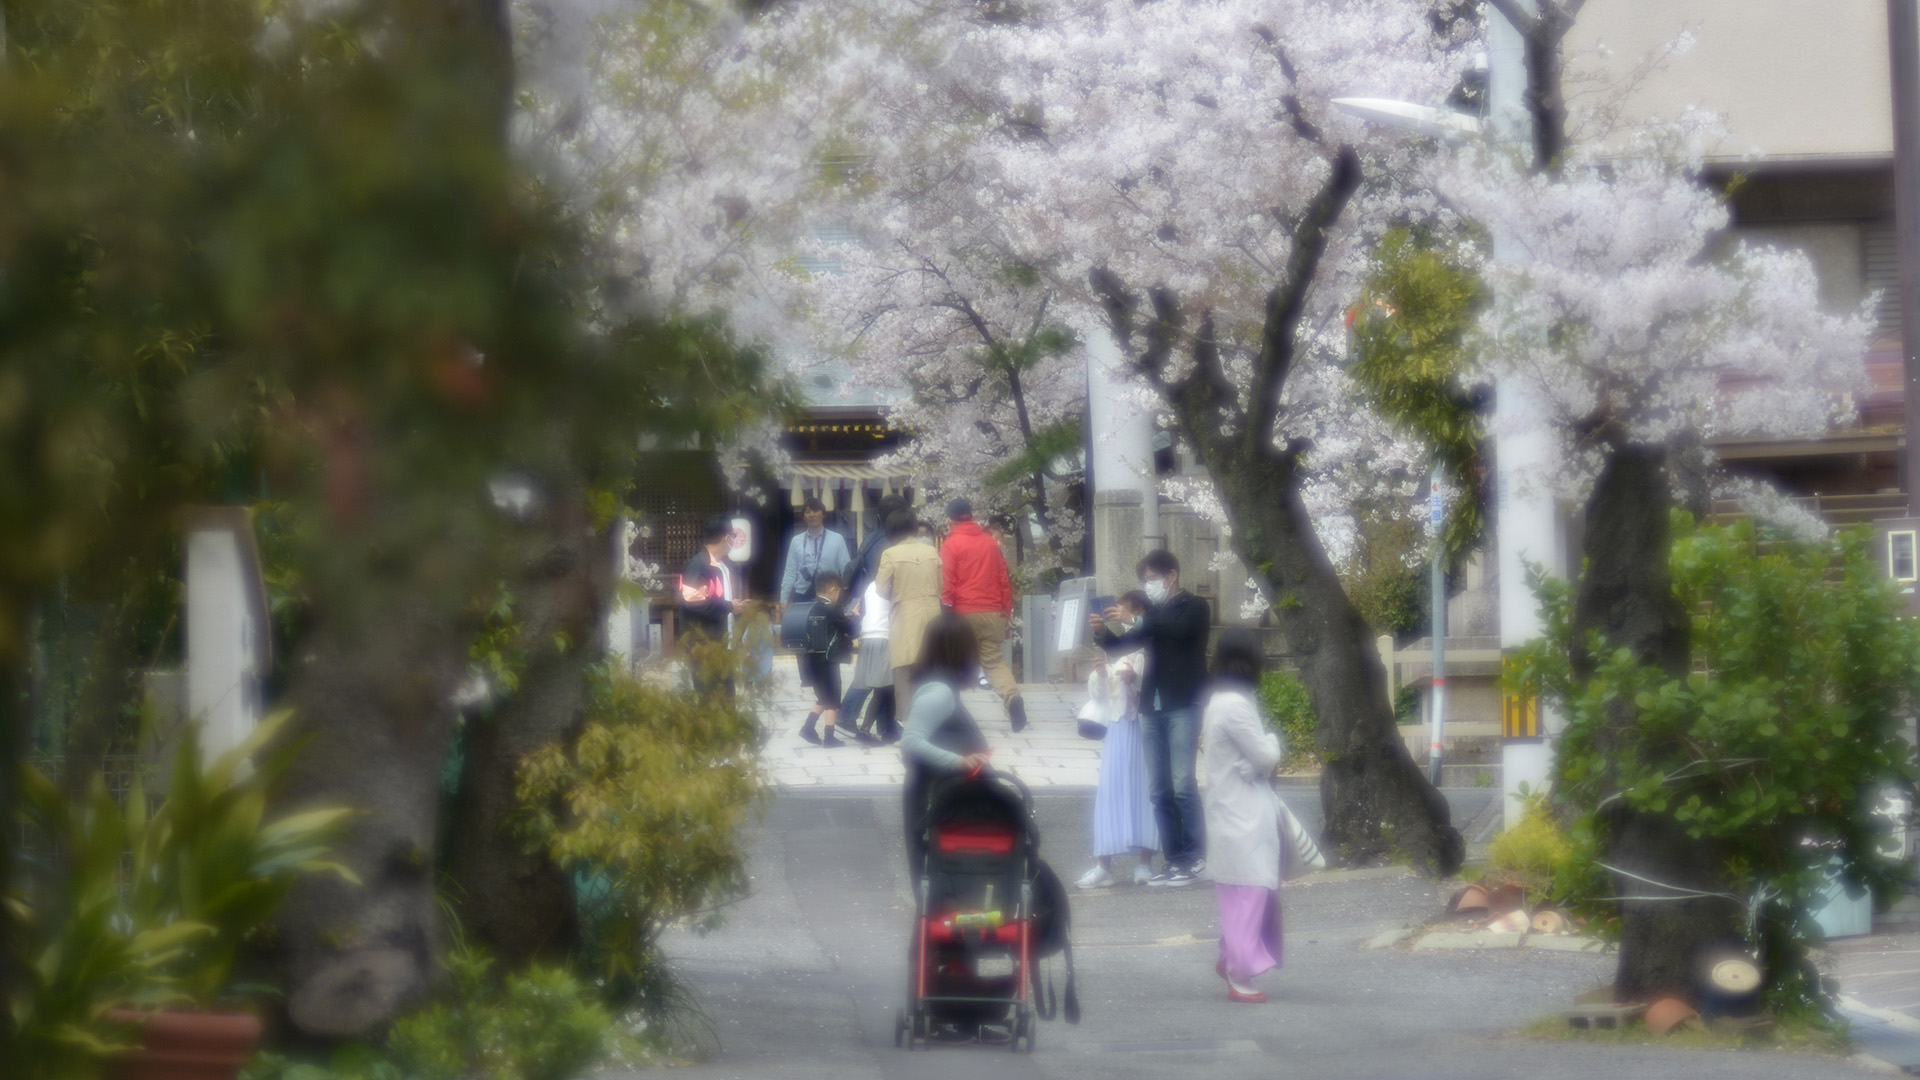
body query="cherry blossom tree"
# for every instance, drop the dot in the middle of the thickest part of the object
(1187, 165)
(935, 299)
(1637, 336)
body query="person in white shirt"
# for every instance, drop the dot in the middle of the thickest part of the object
(1123, 822)
(873, 671)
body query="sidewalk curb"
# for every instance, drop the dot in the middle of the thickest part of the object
(1906, 1031)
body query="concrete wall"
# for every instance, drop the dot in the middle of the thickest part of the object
(1792, 78)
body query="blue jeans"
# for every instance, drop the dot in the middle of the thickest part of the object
(851, 705)
(1171, 739)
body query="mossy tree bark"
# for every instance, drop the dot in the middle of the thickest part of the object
(514, 901)
(372, 716)
(1626, 596)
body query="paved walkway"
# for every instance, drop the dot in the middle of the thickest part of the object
(1048, 754)
(803, 980)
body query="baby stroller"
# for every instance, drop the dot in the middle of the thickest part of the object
(976, 936)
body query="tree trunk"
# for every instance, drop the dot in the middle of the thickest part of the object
(515, 902)
(1377, 803)
(1626, 595)
(373, 720)
(16, 728)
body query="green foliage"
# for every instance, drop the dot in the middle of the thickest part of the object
(541, 1023)
(1406, 704)
(537, 1024)
(1411, 336)
(1534, 852)
(128, 907)
(645, 807)
(82, 956)
(1048, 444)
(1386, 578)
(1289, 711)
(1785, 731)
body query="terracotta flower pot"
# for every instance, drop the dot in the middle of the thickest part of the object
(1513, 922)
(1549, 921)
(1669, 1013)
(1511, 896)
(1470, 900)
(180, 1045)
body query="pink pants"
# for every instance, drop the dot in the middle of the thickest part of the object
(1249, 929)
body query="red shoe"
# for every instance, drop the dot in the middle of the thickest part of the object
(1255, 998)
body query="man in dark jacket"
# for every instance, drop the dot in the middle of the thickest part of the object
(866, 562)
(707, 596)
(1175, 635)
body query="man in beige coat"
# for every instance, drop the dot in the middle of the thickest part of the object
(909, 578)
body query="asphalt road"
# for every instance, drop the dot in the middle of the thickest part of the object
(804, 978)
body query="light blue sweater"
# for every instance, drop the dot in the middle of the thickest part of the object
(807, 556)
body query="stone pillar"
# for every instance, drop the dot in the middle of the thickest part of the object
(1118, 539)
(621, 645)
(226, 628)
(1121, 435)
(1193, 541)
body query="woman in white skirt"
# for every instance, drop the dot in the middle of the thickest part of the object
(873, 667)
(1123, 821)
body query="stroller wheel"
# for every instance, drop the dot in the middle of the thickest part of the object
(900, 1027)
(1022, 1028)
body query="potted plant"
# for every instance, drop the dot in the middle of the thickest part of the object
(203, 871)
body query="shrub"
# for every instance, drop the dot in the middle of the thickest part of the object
(131, 906)
(1534, 852)
(1289, 711)
(645, 808)
(1776, 746)
(540, 1023)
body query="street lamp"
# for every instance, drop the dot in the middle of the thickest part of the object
(1443, 124)
(1526, 521)
(1425, 119)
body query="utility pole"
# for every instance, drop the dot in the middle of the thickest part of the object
(1438, 609)
(1903, 41)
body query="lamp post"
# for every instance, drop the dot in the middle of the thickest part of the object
(1527, 526)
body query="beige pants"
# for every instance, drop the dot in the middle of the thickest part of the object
(991, 629)
(902, 692)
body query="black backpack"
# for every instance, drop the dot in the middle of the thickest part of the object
(825, 633)
(1052, 934)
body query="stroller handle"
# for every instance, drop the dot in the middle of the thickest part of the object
(989, 775)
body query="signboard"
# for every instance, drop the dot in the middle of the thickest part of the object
(1071, 622)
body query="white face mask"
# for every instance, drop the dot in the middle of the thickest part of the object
(1156, 590)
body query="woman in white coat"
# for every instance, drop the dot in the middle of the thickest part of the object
(1243, 823)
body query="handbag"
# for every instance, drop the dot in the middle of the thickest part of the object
(1299, 855)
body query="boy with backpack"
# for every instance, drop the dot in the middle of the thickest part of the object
(829, 642)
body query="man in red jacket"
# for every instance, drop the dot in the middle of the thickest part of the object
(975, 585)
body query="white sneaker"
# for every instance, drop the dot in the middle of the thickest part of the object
(1141, 875)
(1097, 878)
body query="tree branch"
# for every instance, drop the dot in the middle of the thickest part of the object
(1286, 304)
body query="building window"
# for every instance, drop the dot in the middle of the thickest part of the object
(1900, 556)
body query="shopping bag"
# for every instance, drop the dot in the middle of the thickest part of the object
(1299, 855)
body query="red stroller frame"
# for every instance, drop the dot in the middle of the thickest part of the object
(973, 903)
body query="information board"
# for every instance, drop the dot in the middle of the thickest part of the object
(1071, 624)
